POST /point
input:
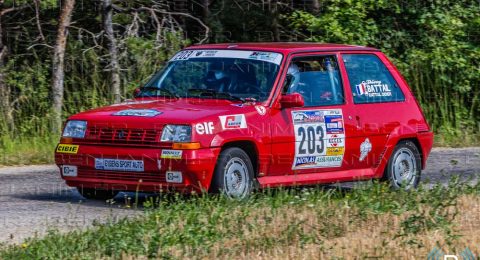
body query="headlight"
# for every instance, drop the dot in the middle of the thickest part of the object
(75, 129)
(177, 133)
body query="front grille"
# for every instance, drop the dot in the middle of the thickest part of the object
(122, 176)
(106, 135)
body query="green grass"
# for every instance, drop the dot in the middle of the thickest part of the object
(305, 222)
(27, 150)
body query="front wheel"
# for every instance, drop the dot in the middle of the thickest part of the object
(96, 194)
(233, 174)
(404, 166)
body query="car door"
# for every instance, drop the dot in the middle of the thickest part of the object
(376, 96)
(312, 138)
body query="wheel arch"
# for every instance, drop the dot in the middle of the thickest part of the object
(250, 149)
(390, 146)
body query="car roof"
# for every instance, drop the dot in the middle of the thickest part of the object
(284, 47)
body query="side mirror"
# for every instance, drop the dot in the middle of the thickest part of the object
(136, 92)
(292, 100)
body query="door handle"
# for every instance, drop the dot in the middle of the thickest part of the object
(359, 124)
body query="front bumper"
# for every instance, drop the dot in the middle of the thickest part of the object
(196, 166)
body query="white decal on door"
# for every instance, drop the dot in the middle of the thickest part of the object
(365, 148)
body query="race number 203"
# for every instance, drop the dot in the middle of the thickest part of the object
(315, 131)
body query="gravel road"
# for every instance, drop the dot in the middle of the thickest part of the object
(34, 199)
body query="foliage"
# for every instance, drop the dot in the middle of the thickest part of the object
(436, 44)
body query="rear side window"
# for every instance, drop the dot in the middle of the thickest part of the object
(370, 80)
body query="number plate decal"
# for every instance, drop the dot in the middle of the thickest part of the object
(319, 138)
(119, 165)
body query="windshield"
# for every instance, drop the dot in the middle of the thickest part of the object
(226, 74)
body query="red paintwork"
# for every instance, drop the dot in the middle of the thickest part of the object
(272, 134)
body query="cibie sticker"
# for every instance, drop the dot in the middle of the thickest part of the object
(233, 122)
(373, 88)
(365, 148)
(261, 110)
(319, 138)
(67, 148)
(171, 154)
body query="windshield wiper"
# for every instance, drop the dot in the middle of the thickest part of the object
(217, 94)
(168, 92)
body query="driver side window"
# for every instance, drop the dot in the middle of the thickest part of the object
(317, 79)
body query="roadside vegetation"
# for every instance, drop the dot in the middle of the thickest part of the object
(369, 221)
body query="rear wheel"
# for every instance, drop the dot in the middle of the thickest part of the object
(404, 166)
(96, 194)
(233, 174)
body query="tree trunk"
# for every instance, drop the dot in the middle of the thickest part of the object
(206, 13)
(5, 108)
(315, 6)
(58, 73)
(274, 16)
(112, 49)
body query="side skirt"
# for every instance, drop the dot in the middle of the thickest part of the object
(316, 178)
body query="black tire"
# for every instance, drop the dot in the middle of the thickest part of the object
(234, 174)
(404, 166)
(96, 194)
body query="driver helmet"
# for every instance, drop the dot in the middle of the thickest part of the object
(214, 78)
(294, 71)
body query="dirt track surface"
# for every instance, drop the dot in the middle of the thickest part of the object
(34, 199)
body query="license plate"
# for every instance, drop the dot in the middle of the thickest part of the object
(69, 170)
(119, 165)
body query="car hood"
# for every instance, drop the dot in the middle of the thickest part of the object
(172, 111)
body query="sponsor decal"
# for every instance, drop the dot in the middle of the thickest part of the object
(174, 177)
(319, 138)
(365, 148)
(183, 55)
(265, 56)
(233, 121)
(335, 150)
(261, 110)
(206, 53)
(373, 88)
(204, 128)
(334, 124)
(138, 112)
(305, 161)
(329, 160)
(335, 140)
(271, 57)
(69, 170)
(119, 165)
(67, 148)
(171, 154)
(302, 117)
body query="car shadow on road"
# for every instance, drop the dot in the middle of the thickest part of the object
(124, 200)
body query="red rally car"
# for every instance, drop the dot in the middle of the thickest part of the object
(233, 117)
